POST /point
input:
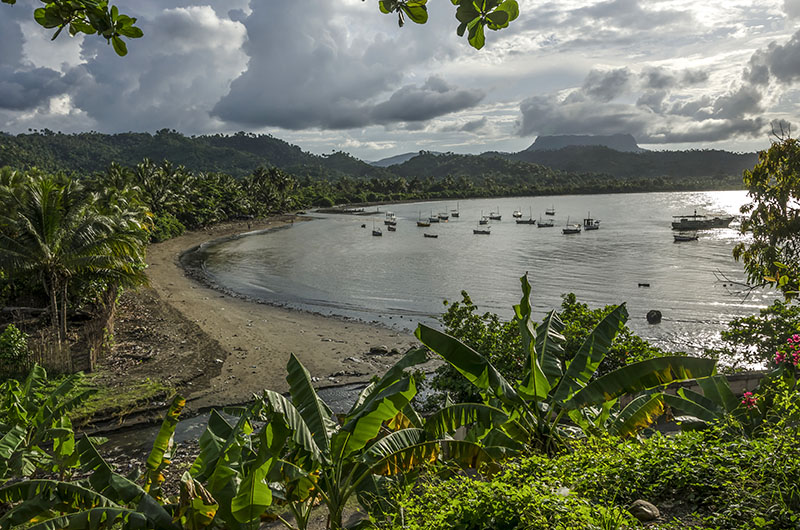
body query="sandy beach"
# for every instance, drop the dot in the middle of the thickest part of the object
(257, 339)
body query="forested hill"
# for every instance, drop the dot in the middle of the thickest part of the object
(646, 164)
(241, 153)
(236, 155)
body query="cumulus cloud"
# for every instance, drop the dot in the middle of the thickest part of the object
(170, 79)
(27, 89)
(317, 75)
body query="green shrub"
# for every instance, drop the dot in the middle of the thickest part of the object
(14, 352)
(166, 226)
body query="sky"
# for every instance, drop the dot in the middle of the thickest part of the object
(333, 75)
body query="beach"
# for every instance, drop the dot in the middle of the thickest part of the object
(252, 342)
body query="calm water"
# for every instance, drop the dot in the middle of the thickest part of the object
(334, 266)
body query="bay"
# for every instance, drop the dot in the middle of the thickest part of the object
(334, 266)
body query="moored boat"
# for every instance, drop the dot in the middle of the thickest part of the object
(591, 224)
(551, 210)
(517, 214)
(455, 213)
(392, 228)
(421, 222)
(573, 228)
(433, 236)
(495, 216)
(547, 223)
(700, 221)
(685, 236)
(529, 221)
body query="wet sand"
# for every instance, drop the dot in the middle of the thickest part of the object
(258, 338)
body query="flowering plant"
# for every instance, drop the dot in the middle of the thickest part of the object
(790, 353)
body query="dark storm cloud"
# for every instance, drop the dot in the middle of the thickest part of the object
(315, 75)
(27, 89)
(605, 86)
(784, 60)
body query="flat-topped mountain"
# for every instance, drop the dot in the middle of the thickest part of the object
(618, 142)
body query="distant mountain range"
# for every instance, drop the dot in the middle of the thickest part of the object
(616, 156)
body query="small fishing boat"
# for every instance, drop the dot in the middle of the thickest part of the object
(443, 216)
(529, 221)
(551, 210)
(421, 222)
(591, 224)
(700, 221)
(454, 213)
(483, 220)
(434, 236)
(391, 219)
(483, 231)
(433, 218)
(495, 216)
(375, 230)
(685, 236)
(392, 228)
(517, 214)
(571, 228)
(548, 223)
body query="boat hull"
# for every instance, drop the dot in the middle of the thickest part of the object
(702, 224)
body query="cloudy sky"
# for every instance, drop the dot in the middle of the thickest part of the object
(337, 74)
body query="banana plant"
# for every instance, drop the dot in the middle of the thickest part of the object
(304, 454)
(555, 394)
(35, 430)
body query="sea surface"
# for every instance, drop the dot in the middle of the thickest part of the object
(334, 265)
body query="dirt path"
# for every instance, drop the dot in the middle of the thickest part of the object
(224, 349)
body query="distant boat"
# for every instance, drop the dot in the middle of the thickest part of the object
(433, 218)
(551, 210)
(421, 222)
(390, 220)
(495, 216)
(517, 214)
(545, 224)
(454, 213)
(430, 235)
(529, 221)
(571, 228)
(392, 228)
(685, 236)
(443, 216)
(483, 231)
(483, 220)
(375, 230)
(590, 224)
(700, 221)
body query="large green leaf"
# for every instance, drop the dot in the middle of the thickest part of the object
(640, 413)
(378, 408)
(549, 346)
(643, 375)
(254, 495)
(450, 418)
(469, 363)
(591, 353)
(162, 446)
(38, 498)
(395, 373)
(300, 433)
(692, 408)
(213, 439)
(316, 414)
(718, 390)
(534, 383)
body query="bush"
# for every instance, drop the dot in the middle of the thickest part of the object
(14, 353)
(166, 226)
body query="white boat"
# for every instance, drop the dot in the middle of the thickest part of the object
(454, 213)
(495, 216)
(483, 220)
(433, 218)
(443, 216)
(375, 230)
(485, 230)
(517, 214)
(391, 219)
(551, 210)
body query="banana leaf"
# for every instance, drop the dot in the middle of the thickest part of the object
(549, 345)
(379, 407)
(162, 446)
(315, 413)
(640, 413)
(449, 419)
(469, 363)
(718, 390)
(591, 353)
(39, 498)
(254, 495)
(535, 384)
(643, 375)
(281, 407)
(394, 374)
(692, 408)
(212, 442)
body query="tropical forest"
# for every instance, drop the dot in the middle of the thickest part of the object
(207, 328)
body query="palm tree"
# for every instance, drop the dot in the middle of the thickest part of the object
(55, 231)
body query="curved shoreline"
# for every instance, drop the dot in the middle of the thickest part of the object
(257, 337)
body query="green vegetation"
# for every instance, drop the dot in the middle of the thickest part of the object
(91, 17)
(773, 219)
(14, 352)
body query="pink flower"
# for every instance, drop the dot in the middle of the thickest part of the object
(749, 400)
(796, 337)
(779, 357)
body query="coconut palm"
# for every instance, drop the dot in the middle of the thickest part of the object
(56, 232)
